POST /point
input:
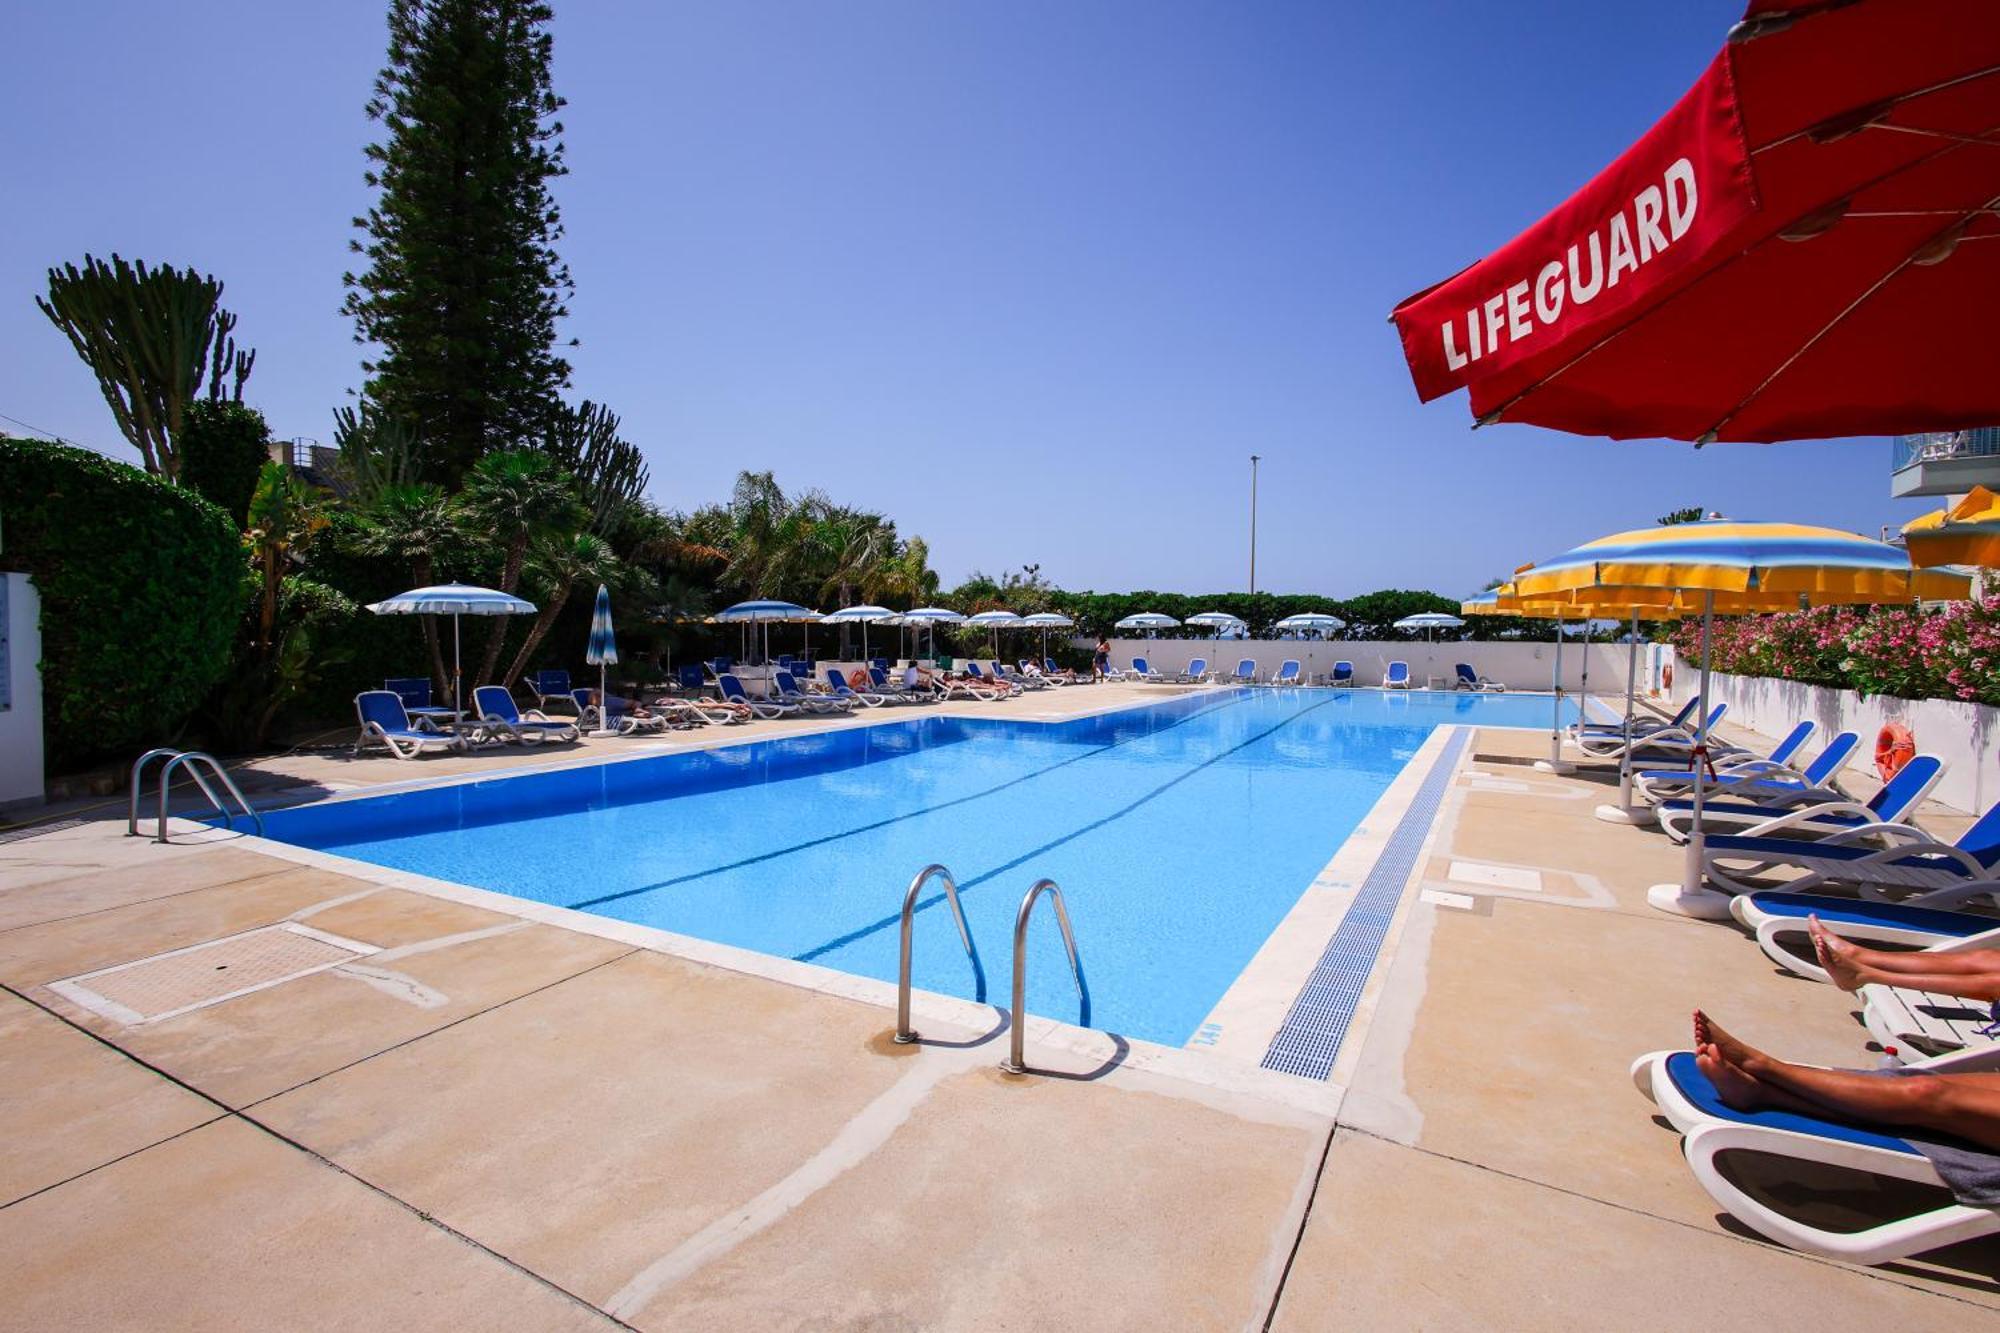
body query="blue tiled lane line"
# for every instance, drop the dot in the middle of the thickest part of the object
(1309, 1041)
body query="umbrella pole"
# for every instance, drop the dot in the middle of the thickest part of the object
(1555, 762)
(1689, 897)
(1625, 812)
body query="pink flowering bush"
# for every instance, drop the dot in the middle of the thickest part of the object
(1953, 653)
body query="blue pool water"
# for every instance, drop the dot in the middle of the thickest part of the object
(1181, 833)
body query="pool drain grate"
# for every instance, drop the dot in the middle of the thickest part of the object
(182, 980)
(1309, 1041)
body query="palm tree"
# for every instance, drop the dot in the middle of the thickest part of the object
(905, 577)
(558, 563)
(421, 526)
(850, 544)
(517, 495)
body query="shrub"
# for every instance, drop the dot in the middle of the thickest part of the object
(1952, 653)
(139, 583)
(223, 445)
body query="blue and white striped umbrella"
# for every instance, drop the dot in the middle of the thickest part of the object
(932, 615)
(1046, 621)
(454, 600)
(1311, 620)
(764, 611)
(1218, 621)
(862, 615)
(603, 647)
(995, 621)
(1148, 621)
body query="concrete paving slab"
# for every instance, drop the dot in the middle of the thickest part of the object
(69, 1103)
(49, 951)
(1404, 1239)
(1036, 1203)
(592, 1127)
(258, 1045)
(33, 891)
(227, 1228)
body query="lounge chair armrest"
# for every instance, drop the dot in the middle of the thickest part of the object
(1805, 815)
(1960, 894)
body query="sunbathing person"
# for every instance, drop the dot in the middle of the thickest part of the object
(1971, 974)
(1963, 1106)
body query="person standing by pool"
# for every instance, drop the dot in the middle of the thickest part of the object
(1102, 660)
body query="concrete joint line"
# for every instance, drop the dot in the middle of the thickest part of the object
(857, 1140)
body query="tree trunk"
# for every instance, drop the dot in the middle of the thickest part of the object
(422, 572)
(267, 613)
(538, 631)
(510, 578)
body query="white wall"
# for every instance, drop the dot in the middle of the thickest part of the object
(1966, 736)
(1518, 666)
(21, 711)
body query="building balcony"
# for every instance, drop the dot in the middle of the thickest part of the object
(1949, 463)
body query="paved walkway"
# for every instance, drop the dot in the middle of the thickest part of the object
(496, 1122)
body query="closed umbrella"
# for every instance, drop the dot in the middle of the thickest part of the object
(602, 653)
(1798, 249)
(454, 600)
(1719, 557)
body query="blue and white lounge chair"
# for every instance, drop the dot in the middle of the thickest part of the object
(1059, 675)
(1804, 812)
(1468, 679)
(985, 681)
(1196, 673)
(552, 687)
(1288, 673)
(414, 691)
(1398, 677)
(842, 690)
(1343, 674)
(1666, 743)
(1144, 670)
(785, 688)
(615, 717)
(1019, 679)
(733, 692)
(1731, 769)
(1691, 1104)
(1683, 718)
(1780, 920)
(1246, 672)
(383, 722)
(502, 719)
(1817, 781)
(1899, 862)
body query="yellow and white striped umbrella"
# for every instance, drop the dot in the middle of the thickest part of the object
(1968, 533)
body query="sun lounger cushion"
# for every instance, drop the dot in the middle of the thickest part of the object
(1861, 912)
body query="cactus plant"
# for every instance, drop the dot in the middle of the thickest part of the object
(157, 339)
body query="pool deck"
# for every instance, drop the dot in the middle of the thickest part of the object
(499, 1120)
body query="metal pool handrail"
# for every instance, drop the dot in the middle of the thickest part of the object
(193, 761)
(1016, 1061)
(905, 1034)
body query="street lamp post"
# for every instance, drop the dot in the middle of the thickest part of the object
(1253, 524)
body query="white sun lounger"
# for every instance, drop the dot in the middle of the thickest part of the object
(1673, 1081)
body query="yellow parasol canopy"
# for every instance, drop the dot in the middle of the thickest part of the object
(1968, 533)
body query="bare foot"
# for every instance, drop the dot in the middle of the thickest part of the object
(1708, 1033)
(1738, 1090)
(1836, 956)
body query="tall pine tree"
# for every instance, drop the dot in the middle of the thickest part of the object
(463, 286)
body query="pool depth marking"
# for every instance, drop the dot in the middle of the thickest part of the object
(1308, 1042)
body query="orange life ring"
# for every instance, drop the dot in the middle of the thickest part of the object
(858, 679)
(1894, 747)
(1667, 677)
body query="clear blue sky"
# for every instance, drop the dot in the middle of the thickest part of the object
(1035, 279)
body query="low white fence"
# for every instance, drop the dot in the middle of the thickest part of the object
(1966, 736)
(1518, 666)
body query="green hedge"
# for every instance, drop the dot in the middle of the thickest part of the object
(223, 446)
(139, 585)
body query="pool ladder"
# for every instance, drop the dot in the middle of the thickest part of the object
(193, 761)
(1016, 1061)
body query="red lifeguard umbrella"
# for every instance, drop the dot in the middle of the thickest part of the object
(1806, 245)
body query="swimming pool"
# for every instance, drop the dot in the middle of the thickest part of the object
(1181, 833)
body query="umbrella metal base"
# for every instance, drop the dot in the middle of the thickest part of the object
(1701, 904)
(1626, 814)
(1554, 766)
(596, 734)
